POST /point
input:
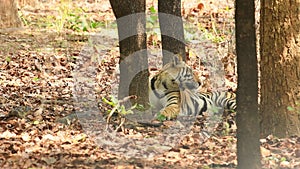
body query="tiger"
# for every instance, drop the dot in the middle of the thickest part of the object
(174, 91)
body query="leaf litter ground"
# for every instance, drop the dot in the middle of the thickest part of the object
(38, 125)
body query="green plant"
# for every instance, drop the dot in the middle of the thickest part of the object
(23, 19)
(119, 109)
(117, 106)
(63, 14)
(153, 18)
(212, 34)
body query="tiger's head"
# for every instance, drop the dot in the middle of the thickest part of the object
(174, 76)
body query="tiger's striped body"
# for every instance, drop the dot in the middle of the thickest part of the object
(195, 103)
(173, 92)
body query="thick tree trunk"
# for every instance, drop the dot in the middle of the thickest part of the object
(9, 14)
(280, 67)
(131, 21)
(248, 133)
(171, 27)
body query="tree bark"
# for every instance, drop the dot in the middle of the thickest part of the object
(171, 27)
(9, 14)
(131, 21)
(280, 67)
(22, 3)
(248, 134)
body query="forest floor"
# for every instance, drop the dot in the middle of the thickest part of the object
(65, 60)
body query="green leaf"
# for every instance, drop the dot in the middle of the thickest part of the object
(8, 59)
(152, 9)
(36, 122)
(161, 117)
(283, 159)
(153, 19)
(134, 106)
(108, 102)
(114, 100)
(123, 110)
(35, 79)
(227, 8)
(289, 108)
(85, 29)
(94, 25)
(139, 107)
(71, 14)
(129, 112)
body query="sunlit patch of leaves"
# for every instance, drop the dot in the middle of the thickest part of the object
(152, 25)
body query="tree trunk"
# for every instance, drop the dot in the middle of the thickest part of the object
(9, 14)
(248, 145)
(131, 21)
(171, 27)
(280, 67)
(22, 3)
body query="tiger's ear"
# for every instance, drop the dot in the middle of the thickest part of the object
(177, 59)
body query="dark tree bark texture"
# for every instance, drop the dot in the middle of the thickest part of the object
(248, 133)
(131, 21)
(280, 67)
(171, 27)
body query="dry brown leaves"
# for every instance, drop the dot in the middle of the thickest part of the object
(36, 90)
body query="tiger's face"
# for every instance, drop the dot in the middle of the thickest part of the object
(173, 77)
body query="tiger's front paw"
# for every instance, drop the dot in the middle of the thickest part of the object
(170, 112)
